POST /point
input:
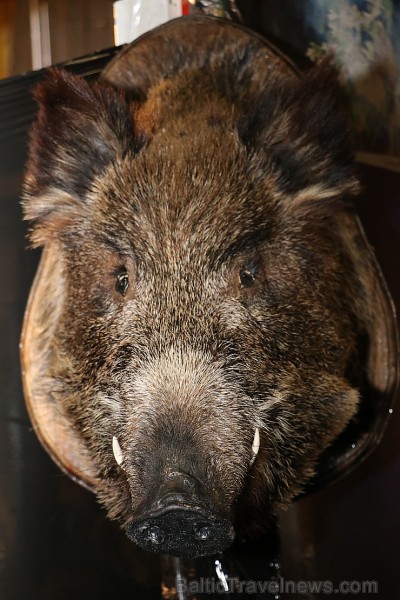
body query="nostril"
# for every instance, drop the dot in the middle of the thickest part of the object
(182, 532)
(203, 532)
(154, 535)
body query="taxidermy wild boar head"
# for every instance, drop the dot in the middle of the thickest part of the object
(201, 328)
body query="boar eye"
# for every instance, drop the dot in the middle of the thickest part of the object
(246, 278)
(122, 283)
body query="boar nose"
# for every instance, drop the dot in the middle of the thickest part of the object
(179, 523)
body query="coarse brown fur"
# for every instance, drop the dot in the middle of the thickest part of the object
(217, 198)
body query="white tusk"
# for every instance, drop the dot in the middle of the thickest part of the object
(256, 445)
(119, 457)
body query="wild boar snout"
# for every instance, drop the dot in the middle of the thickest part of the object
(186, 463)
(178, 520)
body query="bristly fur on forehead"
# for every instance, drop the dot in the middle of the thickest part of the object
(291, 131)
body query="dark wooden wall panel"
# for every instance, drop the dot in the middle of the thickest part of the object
(77, 28)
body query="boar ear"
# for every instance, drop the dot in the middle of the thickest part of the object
(303, 133)
(79, 130)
